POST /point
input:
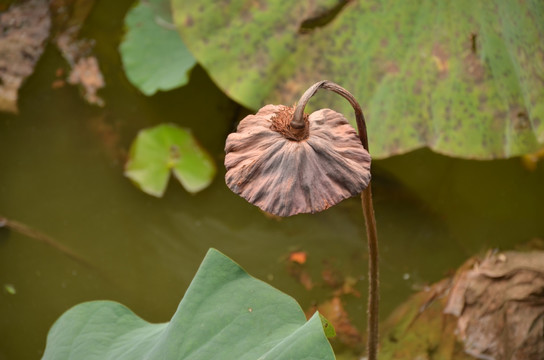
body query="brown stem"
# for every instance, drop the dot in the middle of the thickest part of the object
(373, 273)
(298, 116)
(37, 235)
(366, 202)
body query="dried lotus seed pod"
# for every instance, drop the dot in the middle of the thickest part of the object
(286, 172)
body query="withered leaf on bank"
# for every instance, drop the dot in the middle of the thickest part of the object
(24, 29)
(86, 73)
(491, 309)
(271, 168)
(418, 327)
(68, 18)
(500, 307)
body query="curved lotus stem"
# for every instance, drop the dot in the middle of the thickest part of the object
(366, 201)
(298, 116)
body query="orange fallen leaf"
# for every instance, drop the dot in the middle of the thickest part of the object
(298, 257)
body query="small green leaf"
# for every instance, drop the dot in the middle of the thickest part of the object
(164, 148)
(153, 54)
(327, 327)
(10, 289)
(225, 314)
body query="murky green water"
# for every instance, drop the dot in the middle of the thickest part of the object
(61, 172)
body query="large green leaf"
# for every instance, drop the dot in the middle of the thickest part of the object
(167, 147)
(225, 314)
(464, 77)
(153, 54)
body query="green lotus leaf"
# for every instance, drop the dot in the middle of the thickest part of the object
(465, 78)
(225, 314)
(164, 148)
(153, 54)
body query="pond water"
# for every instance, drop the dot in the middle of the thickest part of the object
(61, 172)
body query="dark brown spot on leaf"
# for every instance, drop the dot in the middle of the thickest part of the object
(391, 68)
(321, 17)
(473, 42)
(520, 120)
(418, 87)
(536, 122)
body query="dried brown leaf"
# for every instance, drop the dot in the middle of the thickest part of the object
(68, 18)
(87, 73)
(491, 309)
(24, 29)
(500, 307)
